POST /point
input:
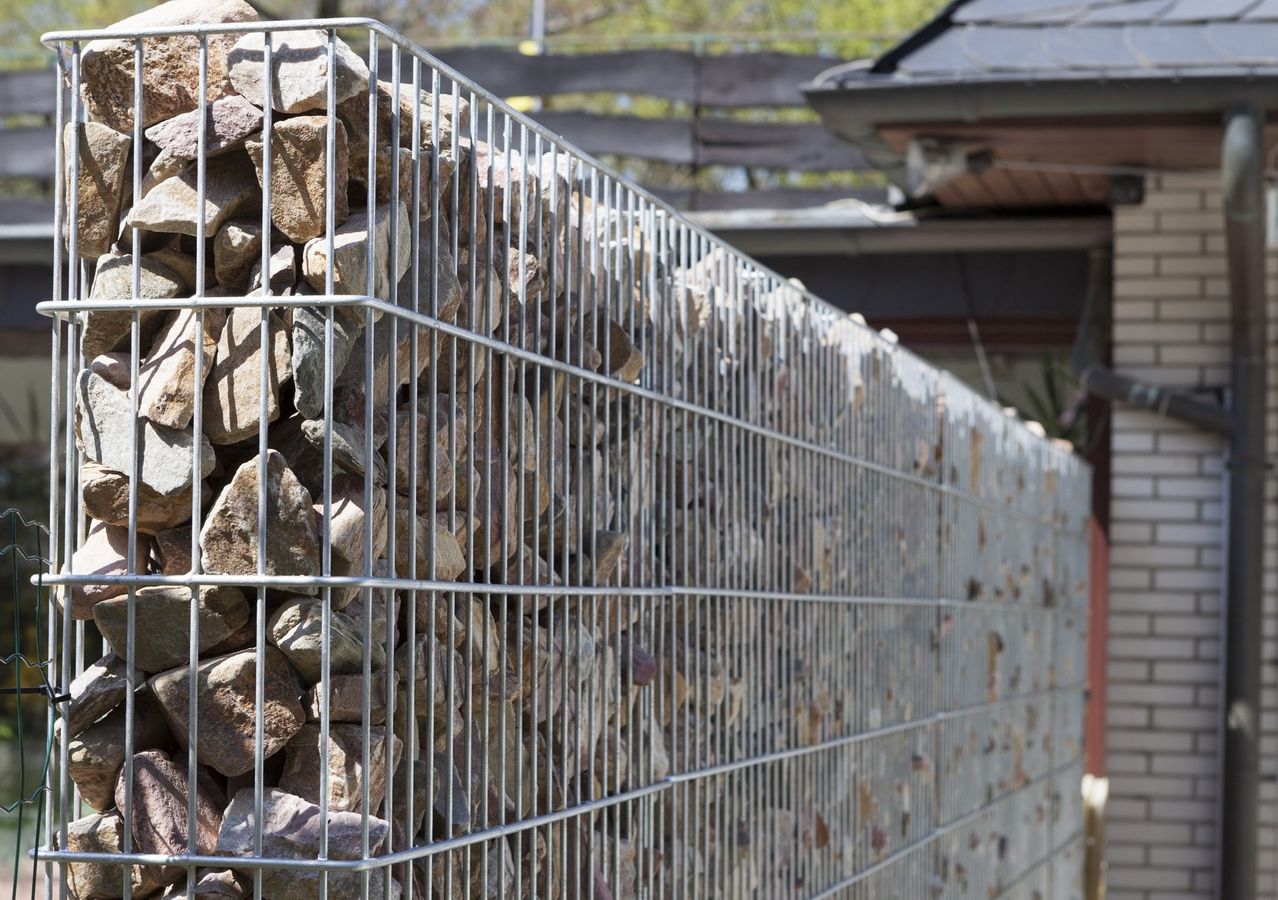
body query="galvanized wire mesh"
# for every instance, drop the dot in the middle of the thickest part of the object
(580, 555)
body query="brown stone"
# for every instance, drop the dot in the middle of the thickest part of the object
(105, 496)
(171, 65)
(306, 755)
(441, 426)
(104, 833)
(95, 755)
(346, 698)
(104, 552)
(167, 377)
(160, 805)
(282, 265)
(103, 157)
(162, 618)
(232, 393)
(100, 688)
(228, 121)
(172, 554)
(228, 541)
(299, 182)
(225, 693)
(350, 516)
(183, 266)
(448, 559)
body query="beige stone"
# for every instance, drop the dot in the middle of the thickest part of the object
(306, 755)
(227, 122)
(170, 65)
(108, 329)
(350, 254)
(162, 622)
(103, 156)
(299, 180)
(233, 391)
(299, 70)
(172, 205)
(167, 378)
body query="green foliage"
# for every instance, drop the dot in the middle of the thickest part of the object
(1057, 403)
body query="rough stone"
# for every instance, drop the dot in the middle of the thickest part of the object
(440, 424)
(103, 156)
(160, 791)
(183, 266)
(236, 248)
(232, 393)
(228, 121)
(108, 329)
(299, 70)
(100, 688)
(105, 551)
(171, 65)
(449, 560)
(299, 182)
(164, 454)
(165, 165)
(350, 253)
(346, 699)
(225, 693)
(228, 541)
(306, 755)
(354, 112)
(95, 755)
(166, 378)
(309, 326)
(172, 551)
(211, 884)
(348, 448)
(291, 829)
(104, 833)
(162, 617)
(349, 517)
(296, 628)
(625, 360)
(283, 268)
(230, 190)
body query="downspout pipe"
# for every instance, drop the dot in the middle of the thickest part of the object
(1242, 169)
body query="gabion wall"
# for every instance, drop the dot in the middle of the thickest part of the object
(454, 519)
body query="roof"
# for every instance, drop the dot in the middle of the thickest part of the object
(1056, 39)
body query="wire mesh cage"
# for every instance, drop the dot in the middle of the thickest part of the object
(457, 520)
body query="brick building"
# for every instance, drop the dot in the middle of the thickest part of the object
(1143, 112)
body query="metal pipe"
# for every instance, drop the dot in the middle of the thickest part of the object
(1096, 379)
(1242, 171)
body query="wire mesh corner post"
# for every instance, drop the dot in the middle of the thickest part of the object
(460, 521)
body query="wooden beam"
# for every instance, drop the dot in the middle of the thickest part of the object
(663, 140)
(801, 147)
(507, 73)
(28, 92)
(757, 79)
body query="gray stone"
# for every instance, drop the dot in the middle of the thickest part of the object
(232, 393)
(167, 385)
(350, 253)
(348, 448)
(108, 329)
(309, 328)
(228, 121)
(296, 628)
(228, 541)
(95, 755)
(299, 70)
(291, 829)
(183, 266)
(350, 516)
(230, 190)
(162, 618)
(103, 434)
(449, 561)
(236, 248)
(225, 689)
(104, 552)
(299, 180)
(103, 156)
(160, 805)
(283, 269)
(171, 75)
(306, 755)
(211, 884)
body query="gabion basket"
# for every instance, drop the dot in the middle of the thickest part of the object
(438, 514)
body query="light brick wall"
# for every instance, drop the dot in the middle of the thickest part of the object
(1171, 327)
